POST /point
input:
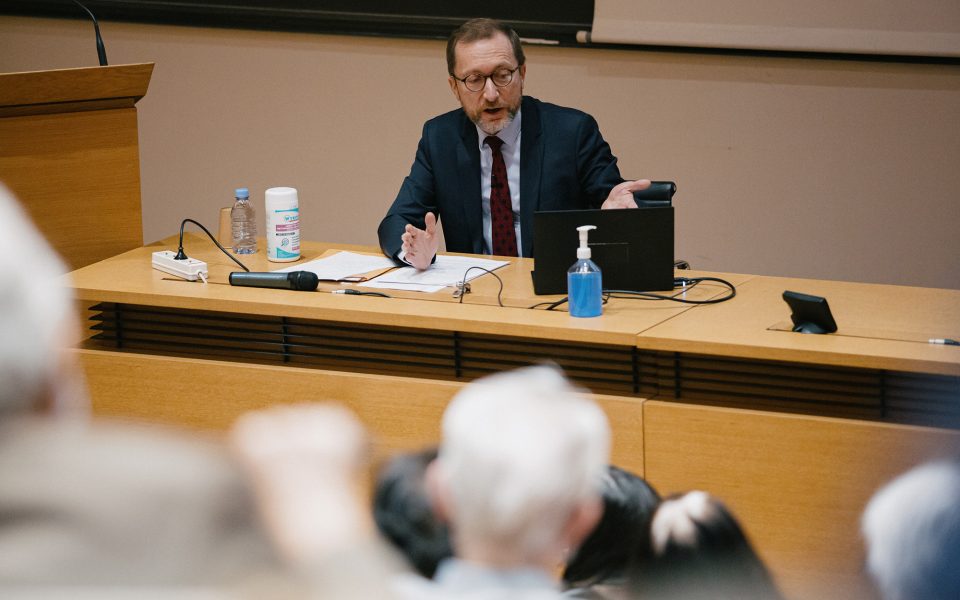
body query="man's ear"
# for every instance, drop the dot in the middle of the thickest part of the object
(523, 75)
(583, 520)
(454, 88)
(437, 491)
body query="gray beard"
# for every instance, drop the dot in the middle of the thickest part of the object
(511, 114)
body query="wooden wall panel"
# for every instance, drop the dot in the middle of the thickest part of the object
(78, 175)
(798, 483)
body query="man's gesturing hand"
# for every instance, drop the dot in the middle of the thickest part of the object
(621, 196)
(420, 245)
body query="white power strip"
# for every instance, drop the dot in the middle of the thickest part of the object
(190, 269)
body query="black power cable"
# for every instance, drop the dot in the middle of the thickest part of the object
(181, 255)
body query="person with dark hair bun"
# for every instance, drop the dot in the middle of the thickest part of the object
(404, 516)
(598, 569)
(699, 551)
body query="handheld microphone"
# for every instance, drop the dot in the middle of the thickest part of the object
(303, 281)
(101, 51)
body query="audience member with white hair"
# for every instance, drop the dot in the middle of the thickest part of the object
(91, 508)
(912, 530)
(518, 479)
(699, 551)
(37, 322)
(97, 505)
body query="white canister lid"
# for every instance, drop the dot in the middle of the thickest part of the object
(282, 194)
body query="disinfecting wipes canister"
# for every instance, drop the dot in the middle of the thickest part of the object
(283, 224)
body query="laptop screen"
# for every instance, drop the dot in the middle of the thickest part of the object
(633, 248)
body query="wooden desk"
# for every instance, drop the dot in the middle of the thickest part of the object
(877, 367)
(201, 354)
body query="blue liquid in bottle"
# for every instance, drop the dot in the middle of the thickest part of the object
(585, 289)
(584, 282)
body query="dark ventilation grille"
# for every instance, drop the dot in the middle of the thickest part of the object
(922, 399)
(449, 355)
(362, 348)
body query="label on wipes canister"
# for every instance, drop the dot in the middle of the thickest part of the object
(283, 234)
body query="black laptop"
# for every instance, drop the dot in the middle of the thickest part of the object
(633, 248)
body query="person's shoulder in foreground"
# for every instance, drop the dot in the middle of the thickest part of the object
(912, 530)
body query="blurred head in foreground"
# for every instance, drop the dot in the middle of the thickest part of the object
(912, 530)
(37, 322)
(99, 505)
(404, 514)
(700, 551)
(519, 469)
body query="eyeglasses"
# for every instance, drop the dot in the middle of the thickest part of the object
(476, 82)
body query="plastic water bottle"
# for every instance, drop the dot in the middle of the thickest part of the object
(584, 281)
(243, 219)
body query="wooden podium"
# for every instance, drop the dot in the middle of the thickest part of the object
(69, 151)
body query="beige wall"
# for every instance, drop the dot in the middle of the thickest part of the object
(827, 169)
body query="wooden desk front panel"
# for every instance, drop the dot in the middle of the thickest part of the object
(78, 175)
(402, 413)
(797, 483)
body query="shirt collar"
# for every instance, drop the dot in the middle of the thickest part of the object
(458, 574)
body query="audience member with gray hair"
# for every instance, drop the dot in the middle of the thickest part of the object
(912, 530)
(93, 504)
(37, 322)
(518, 479)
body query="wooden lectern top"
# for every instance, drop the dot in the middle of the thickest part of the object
(70, 90)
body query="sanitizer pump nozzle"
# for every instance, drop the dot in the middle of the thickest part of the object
(584, 250)
(584, 281)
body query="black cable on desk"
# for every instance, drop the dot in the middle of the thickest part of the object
(464, 289)
(181, 255)
(686, 285)
(354, 292)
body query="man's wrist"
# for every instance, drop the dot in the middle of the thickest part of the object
(402, 257)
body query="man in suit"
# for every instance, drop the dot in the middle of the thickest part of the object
(485, 191)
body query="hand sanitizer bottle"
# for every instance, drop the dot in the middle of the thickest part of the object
(584, 282)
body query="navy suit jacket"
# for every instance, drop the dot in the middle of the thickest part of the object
(565, 164)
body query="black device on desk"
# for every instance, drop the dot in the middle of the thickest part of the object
(632, 247)
(810, 314)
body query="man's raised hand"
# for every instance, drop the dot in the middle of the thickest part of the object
(621, 196)
(420, 245)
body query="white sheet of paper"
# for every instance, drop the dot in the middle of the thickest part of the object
(446, 271)
(340, 265)
(410, 287)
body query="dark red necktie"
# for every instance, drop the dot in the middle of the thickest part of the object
(501, 206)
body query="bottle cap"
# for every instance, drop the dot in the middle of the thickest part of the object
(242, 193)
(584, 250)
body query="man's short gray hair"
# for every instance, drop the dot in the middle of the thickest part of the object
(521, 450)
(912, 529)
(36, 311)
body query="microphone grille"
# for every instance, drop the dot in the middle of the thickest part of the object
(305, 281)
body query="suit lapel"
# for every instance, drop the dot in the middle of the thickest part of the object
(468, 167)
(531, 161)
